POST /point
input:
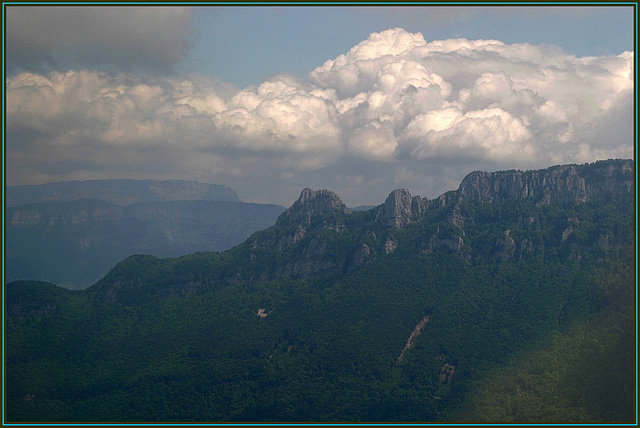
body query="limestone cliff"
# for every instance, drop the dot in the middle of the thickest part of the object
(556, 185)
(312, 204)
(314, 208)
(562, 184)
(401, 209)
(305, 233)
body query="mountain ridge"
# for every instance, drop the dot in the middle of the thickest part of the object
(318, 235)
(119, 191)
(322, 210)
(407, 312)
(555, 184)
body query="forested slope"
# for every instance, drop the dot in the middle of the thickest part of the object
(464, 308)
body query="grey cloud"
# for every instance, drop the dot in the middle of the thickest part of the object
(394, 111)
(140, 39)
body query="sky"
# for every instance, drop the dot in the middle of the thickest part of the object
(270, 100)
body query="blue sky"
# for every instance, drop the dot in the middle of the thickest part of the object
(270, 100)
(245, 45)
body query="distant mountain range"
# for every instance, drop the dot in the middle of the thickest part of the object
(58, 234)
(120, 192)
(511, 299)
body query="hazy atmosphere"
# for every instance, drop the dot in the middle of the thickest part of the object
(269, 100)
(334, 214)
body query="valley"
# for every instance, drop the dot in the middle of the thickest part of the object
(510, 299)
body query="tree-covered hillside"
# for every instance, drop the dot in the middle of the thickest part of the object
(462, 309)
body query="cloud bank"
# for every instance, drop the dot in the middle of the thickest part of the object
(395, 110)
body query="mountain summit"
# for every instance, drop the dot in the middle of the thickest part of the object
(561, 184)
(305, 234)
(510, 299)
(311, 205)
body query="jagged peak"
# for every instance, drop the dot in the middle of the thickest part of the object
(326, 200)
(570, 183)
(401, 209)
(400, 194)
(308, 194)
(313, 203)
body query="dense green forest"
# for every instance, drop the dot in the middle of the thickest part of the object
(526, 312)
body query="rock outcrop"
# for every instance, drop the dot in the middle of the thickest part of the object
(311, 205)
(450, 239)
(556, 185)
(401, 209)
(302, 229)
(313, 209)
(563, 184)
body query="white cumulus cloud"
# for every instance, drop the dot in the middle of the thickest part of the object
(490, 134)
(393, 101)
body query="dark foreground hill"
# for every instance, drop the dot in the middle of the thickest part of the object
(510, 299)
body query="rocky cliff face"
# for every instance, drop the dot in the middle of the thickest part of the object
(313, 209)
(563, 184)
(556, 185)
(313, 204)
(92, 211)
(302, 229)
(401, 209)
